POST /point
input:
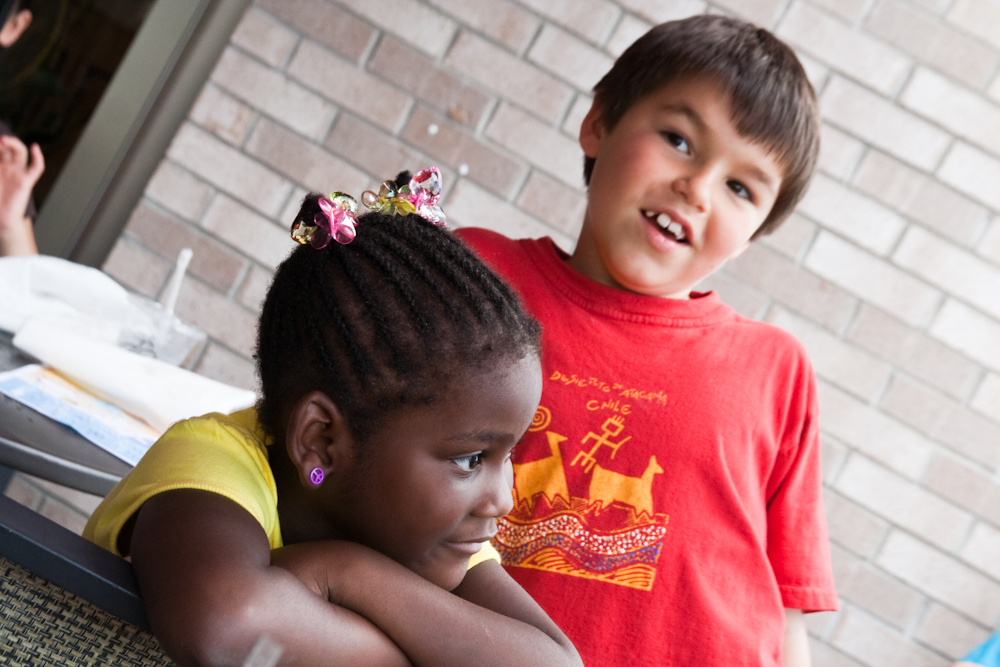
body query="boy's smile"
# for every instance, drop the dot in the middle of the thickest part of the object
(675, 191)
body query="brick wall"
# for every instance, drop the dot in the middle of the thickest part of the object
(889, 271)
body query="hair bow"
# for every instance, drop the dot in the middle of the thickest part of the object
(337, 220)
(419, 196)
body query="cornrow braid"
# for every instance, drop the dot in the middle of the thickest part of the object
(382, 323)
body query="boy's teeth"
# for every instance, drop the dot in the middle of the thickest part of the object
(674, 228)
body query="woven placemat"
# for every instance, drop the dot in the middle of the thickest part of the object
(42, 624)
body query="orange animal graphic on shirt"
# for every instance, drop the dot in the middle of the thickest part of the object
(607, 486)
(544, 476)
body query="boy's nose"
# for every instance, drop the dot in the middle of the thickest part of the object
(694, 187)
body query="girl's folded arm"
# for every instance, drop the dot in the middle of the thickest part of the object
(487, 620)
(203, 566)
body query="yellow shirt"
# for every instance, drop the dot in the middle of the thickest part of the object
(225, 454)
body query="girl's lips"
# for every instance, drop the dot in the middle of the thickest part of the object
(469, 548)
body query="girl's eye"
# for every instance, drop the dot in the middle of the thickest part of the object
(740, 190)
(470, 462)
(677, 141)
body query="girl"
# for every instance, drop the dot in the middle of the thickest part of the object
(347, 519)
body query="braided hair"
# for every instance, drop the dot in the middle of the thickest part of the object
(382, 323)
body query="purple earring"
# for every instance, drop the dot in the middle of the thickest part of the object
(316, 476)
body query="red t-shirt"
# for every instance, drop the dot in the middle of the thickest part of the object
(668, 500)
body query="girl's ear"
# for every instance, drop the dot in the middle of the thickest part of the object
(317, 437)
(591, 131)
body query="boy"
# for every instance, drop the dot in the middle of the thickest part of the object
(668, 505)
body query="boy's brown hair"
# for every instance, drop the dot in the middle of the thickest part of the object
(772, 101)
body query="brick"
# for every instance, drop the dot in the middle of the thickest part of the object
(417, 74)
(412, 21)
(574, 118)
(839, 153)
(348, 86)
(81, 501)
(371, 149)
(471, 206)
(452, 146)
(980, 17)
(875, 644)
(817, 72)
(254, 288)
(569, 58)
(178, 191)
(878, 122)
(222, 115)
(761, 12)
(849, 10)
(921, 356)
(871, 590)
(944, 420)
(839, 209)
(953, 270)
(503, 22)
(833, 455)
(849, 52)
(903, 503)
(878, 436)
(941, 577)
(852, 526)
(736, 294)
(223, 320)
(212, 262)
(987, 397)
(824, 655)
(272, 93)
(631, 28)
(257, 237)
(264, 38)
(303, 162)
(657, 11)
(946, 632)
(136, 267)
(553, 203)
(590, 19)
(969, 332)
(836, 361)
(958, 109)
(989, 244)
(982, 548)
(331, 26)
(796, 288)
(819, 624)
(20, 491)
(222, 365)
(67, 517)
(513, 79)
(927, 39)
(920, 197)
(229, 170)
(875, 281)
(542, 146)
(792, 238)
(966, 486)
(972, 172)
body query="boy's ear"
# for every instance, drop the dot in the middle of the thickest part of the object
(591, 131)
(16, 24)
(317, 437)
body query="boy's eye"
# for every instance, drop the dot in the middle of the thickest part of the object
(740, 190)
(677, 141)
(470, 462)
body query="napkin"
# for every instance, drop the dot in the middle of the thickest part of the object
(154, 391)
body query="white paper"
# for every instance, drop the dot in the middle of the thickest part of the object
(154, 391)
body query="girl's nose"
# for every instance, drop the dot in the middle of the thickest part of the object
(498, 493)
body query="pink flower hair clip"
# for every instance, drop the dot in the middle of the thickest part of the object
(419, 196)
(337, 220)
(338, 216)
